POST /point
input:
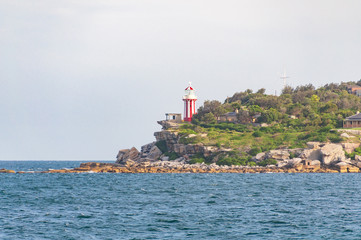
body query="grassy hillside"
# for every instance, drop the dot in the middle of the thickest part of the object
(295, 117)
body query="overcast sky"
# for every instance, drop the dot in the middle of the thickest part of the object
(81, 79)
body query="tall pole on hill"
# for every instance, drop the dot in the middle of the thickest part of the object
(284, 78)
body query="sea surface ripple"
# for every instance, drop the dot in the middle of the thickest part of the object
(177, 206)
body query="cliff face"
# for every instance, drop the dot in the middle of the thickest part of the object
(171, 138)
(151, 152)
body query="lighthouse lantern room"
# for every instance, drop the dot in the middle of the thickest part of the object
(189, 103)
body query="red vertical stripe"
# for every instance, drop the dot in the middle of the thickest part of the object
(190, 106)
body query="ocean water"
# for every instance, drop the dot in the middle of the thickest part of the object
(177, 206)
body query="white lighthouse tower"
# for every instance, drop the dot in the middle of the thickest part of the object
(189, 103)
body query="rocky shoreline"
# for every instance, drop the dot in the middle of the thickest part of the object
(176, 167)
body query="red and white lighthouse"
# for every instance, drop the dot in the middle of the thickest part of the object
(189, 103)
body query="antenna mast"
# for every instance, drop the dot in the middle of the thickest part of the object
(284, 78)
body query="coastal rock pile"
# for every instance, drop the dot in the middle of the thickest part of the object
(317, 154)
(179, 167)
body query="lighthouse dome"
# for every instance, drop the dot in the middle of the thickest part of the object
(189, 92)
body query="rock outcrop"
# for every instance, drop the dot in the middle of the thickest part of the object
(327, 153)
(150, 152)
(294, 162)
(3, 170)
(311, 154)
(332, 153)
(126, 155)
(168, 124)
(350, 147)
(169, 137)
(315, 154)
(279, 154)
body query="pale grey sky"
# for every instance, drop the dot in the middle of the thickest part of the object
(81, 79)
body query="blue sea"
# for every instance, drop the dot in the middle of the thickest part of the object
(176, 206)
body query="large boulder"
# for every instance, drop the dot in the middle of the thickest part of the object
(350, 147)
(294, 162)
(332, 153)
(128, 155)
(145, 149)
(260, 157)
(150, 152)
(154, 153)
(311, 154)
(279, 154)
(282, 163)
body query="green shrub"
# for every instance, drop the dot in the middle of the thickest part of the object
(257, 134)
(292, 155)
(325, 129)
(357, 151)
(254, 151)
(265, 129)
(233, 159)
(172, 155)
(266, 162)
(228, 161)
(335, 139)
(252, 164)
(186, 132)
(321, 138)
(197, 160)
